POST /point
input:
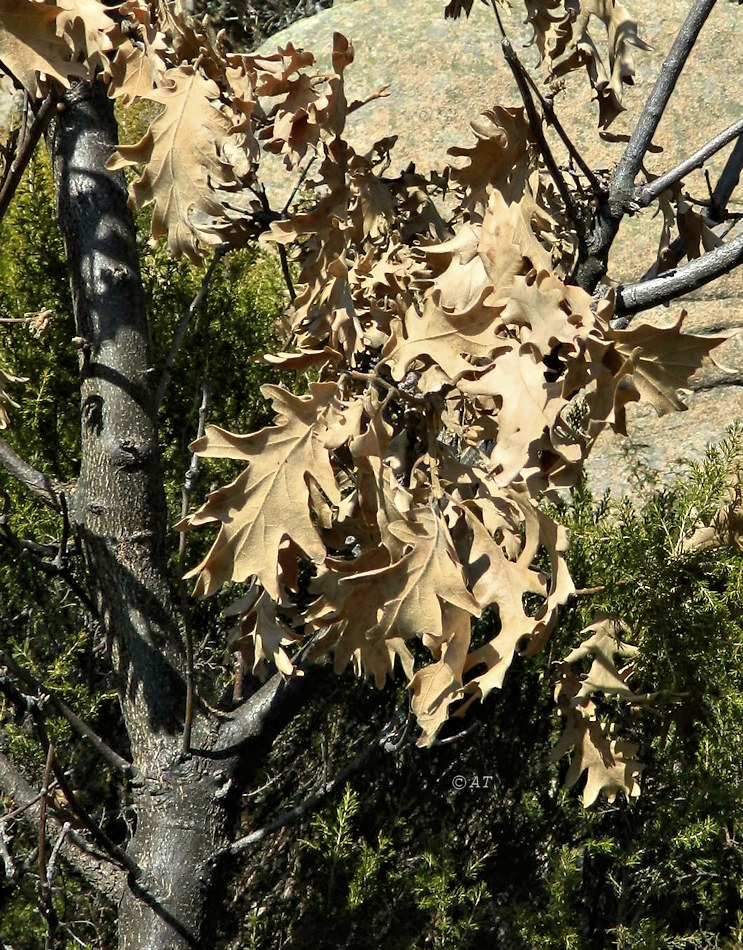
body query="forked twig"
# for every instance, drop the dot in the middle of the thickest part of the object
(189, 484)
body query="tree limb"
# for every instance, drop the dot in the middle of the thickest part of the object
(648, 193)
(680, 281)
(104, 877)
(27, 148)
(41, 487)
(189, 484)
(262, 716)
(642, 136)
(728, 183)
(611, 208)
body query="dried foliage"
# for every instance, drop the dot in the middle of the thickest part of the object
(458, 377)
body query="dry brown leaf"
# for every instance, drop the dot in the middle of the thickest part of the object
(181, 159)
(435, 687)
(405, 597)
(601, 648)
(30, 45)
(261, 637)
(609, 762)
(269, 501)
(664, 359)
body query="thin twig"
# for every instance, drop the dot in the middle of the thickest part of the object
(189, 484)
(186, 318)
(566, 140)
(46, 894)
(313, 800)
(300, 182)
(51, 866)
(35, 553)
(286, 272)
(60, 560)
(26, 150)
(17, 812)
(535, 124)
(675, 283)
(648, 193)
(413, 398)
(589, 591)
(116, 761)
(97, 833)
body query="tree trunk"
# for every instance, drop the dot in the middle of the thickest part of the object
(119, 512)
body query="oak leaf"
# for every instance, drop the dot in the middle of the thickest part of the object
(270, 500)
(664, 359)
(404, 596)
(601, 648)
(181, 158)
(609, 762)
(260, 637)
(435, 687)
(31, 45)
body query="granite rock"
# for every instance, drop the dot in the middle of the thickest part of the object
(442, 73)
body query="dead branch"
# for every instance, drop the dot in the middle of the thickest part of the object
(26, 150)
(679, 281)
(112, 758)
(316, 798)
(100, 874)
(39, 485)
(648, 193)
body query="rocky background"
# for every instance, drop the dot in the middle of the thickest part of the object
(442, 73)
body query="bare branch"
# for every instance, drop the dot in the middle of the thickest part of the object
(312, 801)
(591, 265)
(184, 323)
(648, 193)
(728, 183)
(101, 875)
(286, 273)
(630, 163)
(262, 715)
(41, 487)
(52, 865)
(552, 120)
(189, 484)
(27, 147)
(37, 554)
(46, 892)
(679, 281)
(113, 759)
(97, 833)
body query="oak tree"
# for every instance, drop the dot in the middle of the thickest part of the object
(459, 346)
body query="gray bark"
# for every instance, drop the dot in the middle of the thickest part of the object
(120, 514)
(186, 804)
